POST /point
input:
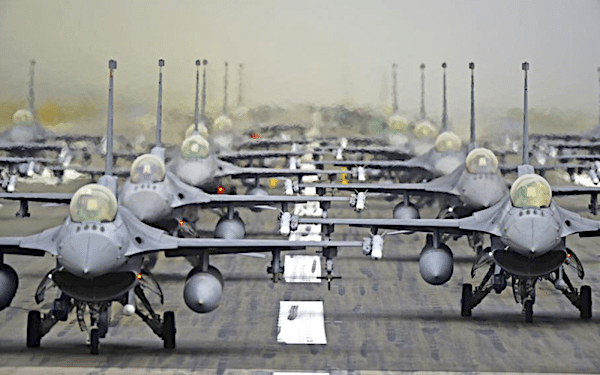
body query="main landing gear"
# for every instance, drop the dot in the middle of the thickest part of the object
(524, 291)
(38, 326)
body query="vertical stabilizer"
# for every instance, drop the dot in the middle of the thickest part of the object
(445, 103)
(31, 92)
(525, 67)
(112, 66)
(394, 89)
(423, 113)
(599, 96)
(240, 86)
(198, 63)
(161, 63)
(473, 134)
(225, 85)
(203, 109)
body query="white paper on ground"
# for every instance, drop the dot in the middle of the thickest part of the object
(301, 322)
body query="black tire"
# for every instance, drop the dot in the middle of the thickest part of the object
(586, 302)
(94, 341)
(34, 329)
(528, 306)
(466, 301)
(168, 330)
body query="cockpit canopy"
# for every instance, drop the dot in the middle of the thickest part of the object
(222, 124)
(530, 190)
(147, 168)
(397, 123)
(195, 147)
(201, 129)
(482, 160)
(93, 202)
(23, 117)
(425, 129)
(447, 142)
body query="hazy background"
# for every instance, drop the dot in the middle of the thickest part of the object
(323, 52)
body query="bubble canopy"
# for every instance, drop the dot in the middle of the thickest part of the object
(447, 142)
(93, 202)
(195, 147)
(481, 160)
(397, 123)
(202, 130)
(531, 190)
(147, 168)
(424, 129)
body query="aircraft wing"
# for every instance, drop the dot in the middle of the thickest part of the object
(29, 147)
(390, 152)
(38, 197)
(194, 246)
(226, 169)
(485, 221)
(34, 245)
(248, 155)
(12, 160)
(543, 168)
(224, 200)
(94, 172)
(78, 137)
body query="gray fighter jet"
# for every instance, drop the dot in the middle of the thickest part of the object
(99, 253)
(527, 230)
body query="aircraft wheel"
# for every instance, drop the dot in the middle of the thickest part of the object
(168, 330)
(466, 302)
(34, 329)
(94, 341)
(586, 302)
(528, 306)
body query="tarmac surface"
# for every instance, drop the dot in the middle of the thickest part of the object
(380, 318)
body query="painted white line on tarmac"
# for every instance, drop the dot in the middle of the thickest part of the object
(302, 269)
(301, 322)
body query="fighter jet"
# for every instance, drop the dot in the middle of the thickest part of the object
(527, 230)
(443, 158)
(99, 252)
(474, 185)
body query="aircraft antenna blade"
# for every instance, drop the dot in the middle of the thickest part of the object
(445, 103)
(240, 97)
(525, 67)
(161, 63)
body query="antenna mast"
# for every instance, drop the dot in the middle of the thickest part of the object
(203, 113)
(241, 68)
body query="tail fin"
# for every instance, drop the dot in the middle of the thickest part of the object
(225, 85)
(445, 104)
(423, 113)
(112, 66)
(161, 63)
(198, 63)
(394, 89)
(473, 135)
(31, 92)
(525, 67)
(203, 109)
(599, 95)
(240, 97)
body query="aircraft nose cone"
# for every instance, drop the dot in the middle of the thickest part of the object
(89, 255)
(532, 234)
